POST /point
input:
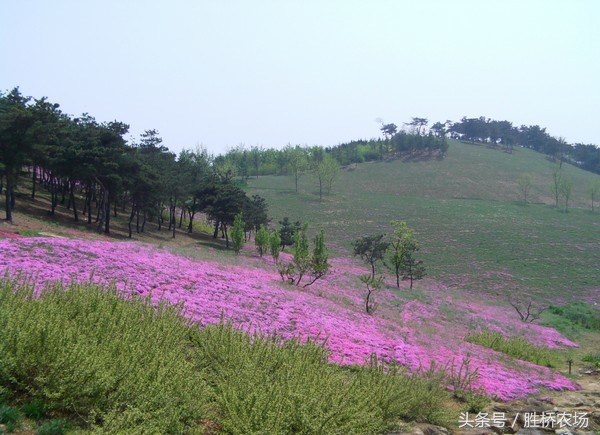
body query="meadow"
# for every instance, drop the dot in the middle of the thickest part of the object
(475, 231)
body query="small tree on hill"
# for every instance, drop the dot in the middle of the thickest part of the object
(371, 249)
(373, 284)
(319, 262)
(262, 239)
(303, 263)
(275, 243)
(238, 235)
(412, 269)
(524, 182)
(566, 188)
(556, 182)
(594, 191)
(398, 247)
(288, 231)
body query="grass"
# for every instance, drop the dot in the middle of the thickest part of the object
(474, 231)
(102, 363)
(516, 347)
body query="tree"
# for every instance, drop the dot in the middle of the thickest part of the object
(373, 284)
(556, 184)
(412, 268)
(524, 182)
(388, 130)
(288, 231)
(16, 118)
(418, 123)
(237, 233)
(262, 239)
(594, 191)
(371, 249)
(566, 187)
(275, 242)
(297, 162)
(327, 171)
(319, 262)
(398, 247)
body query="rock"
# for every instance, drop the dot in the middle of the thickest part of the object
(531, 431)
(429, 429)
(563, 431)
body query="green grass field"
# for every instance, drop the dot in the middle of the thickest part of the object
(475, 230)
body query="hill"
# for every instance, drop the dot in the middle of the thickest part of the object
(476, 231)
(480, 243)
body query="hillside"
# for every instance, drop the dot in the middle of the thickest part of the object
(475, 230)
(482, 248)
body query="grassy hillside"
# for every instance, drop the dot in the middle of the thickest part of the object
(475, 230)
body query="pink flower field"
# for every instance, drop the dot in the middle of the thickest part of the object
(414, 328)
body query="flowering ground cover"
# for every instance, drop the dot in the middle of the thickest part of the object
(416, 329)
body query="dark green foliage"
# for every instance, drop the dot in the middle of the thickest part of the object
(288, 231)
(53, 427)
(411, 268)
(34, 409)
(9, 415)
(371, 249)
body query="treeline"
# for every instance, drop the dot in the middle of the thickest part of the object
(504, 134)
(89, 167)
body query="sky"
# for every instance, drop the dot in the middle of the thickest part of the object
(268, 73)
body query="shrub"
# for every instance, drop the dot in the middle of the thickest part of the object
(273, 386)
(53, 427)
(84, 350)
(261, 239)
(33, 409)
(516, 347)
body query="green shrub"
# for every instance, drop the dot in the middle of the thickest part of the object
(53, 427)
(33, 409)
(84, 350)
(592, 358)
(578, 313)
(273, 386)
(8, 414)
(516, 347)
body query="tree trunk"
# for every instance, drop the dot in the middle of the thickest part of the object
(131, 216)
(8, 199)
(72, 201)
(107, 223)
(216, 232)
(181, 217)
(34, 181)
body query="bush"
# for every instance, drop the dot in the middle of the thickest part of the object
(53, 427)
(579, 313)
(33, 409)
(516, 347)
(84, 350)
(273, 386)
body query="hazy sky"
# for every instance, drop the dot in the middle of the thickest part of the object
(221, 73)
